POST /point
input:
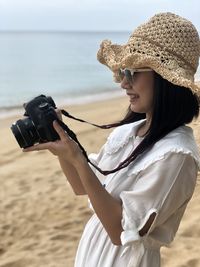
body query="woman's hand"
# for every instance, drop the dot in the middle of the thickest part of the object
(65, 148)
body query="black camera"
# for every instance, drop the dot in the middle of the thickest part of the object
(37, 127)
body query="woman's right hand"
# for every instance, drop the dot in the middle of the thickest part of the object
(65, 147)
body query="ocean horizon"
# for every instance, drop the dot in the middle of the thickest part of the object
(60, 64)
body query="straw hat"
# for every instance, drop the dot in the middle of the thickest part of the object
(167, 43)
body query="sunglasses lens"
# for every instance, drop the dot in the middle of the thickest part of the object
(128, 75)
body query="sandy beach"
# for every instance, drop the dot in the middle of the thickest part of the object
(41, 219)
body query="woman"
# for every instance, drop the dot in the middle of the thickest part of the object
(151, 160)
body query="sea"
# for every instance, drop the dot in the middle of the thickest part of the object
(62, 65)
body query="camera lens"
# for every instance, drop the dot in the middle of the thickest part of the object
(25, 132)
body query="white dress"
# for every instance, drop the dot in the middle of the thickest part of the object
(161, 181)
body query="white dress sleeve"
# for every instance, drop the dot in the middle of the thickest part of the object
(162, 188)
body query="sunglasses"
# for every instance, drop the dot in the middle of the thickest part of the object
(130, 73)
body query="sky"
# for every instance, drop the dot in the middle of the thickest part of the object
(89, 15)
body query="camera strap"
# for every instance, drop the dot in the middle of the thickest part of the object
(73, 135)
(66, 114)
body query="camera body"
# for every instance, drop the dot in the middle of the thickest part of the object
(37, 127)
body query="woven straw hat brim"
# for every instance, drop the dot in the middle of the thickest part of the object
(170, 66)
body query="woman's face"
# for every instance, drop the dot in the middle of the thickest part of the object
(140, 91)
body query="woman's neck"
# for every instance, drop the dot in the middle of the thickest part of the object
(143, 129)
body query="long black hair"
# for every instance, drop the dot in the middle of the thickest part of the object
(173, 106)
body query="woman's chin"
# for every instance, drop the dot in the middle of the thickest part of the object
(134, 108)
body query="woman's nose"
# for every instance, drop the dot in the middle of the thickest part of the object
(125, 84)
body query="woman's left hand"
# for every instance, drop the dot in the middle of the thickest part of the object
(65, 148)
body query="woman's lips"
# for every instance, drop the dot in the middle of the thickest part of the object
(133, 97)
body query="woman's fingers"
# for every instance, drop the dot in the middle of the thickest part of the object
(63, 136)
(37, 147)
(52, 146)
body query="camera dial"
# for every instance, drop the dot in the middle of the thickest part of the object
(44, 106)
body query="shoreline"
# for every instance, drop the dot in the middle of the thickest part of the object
(68, 101)
(85, 111)
(14, 111)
